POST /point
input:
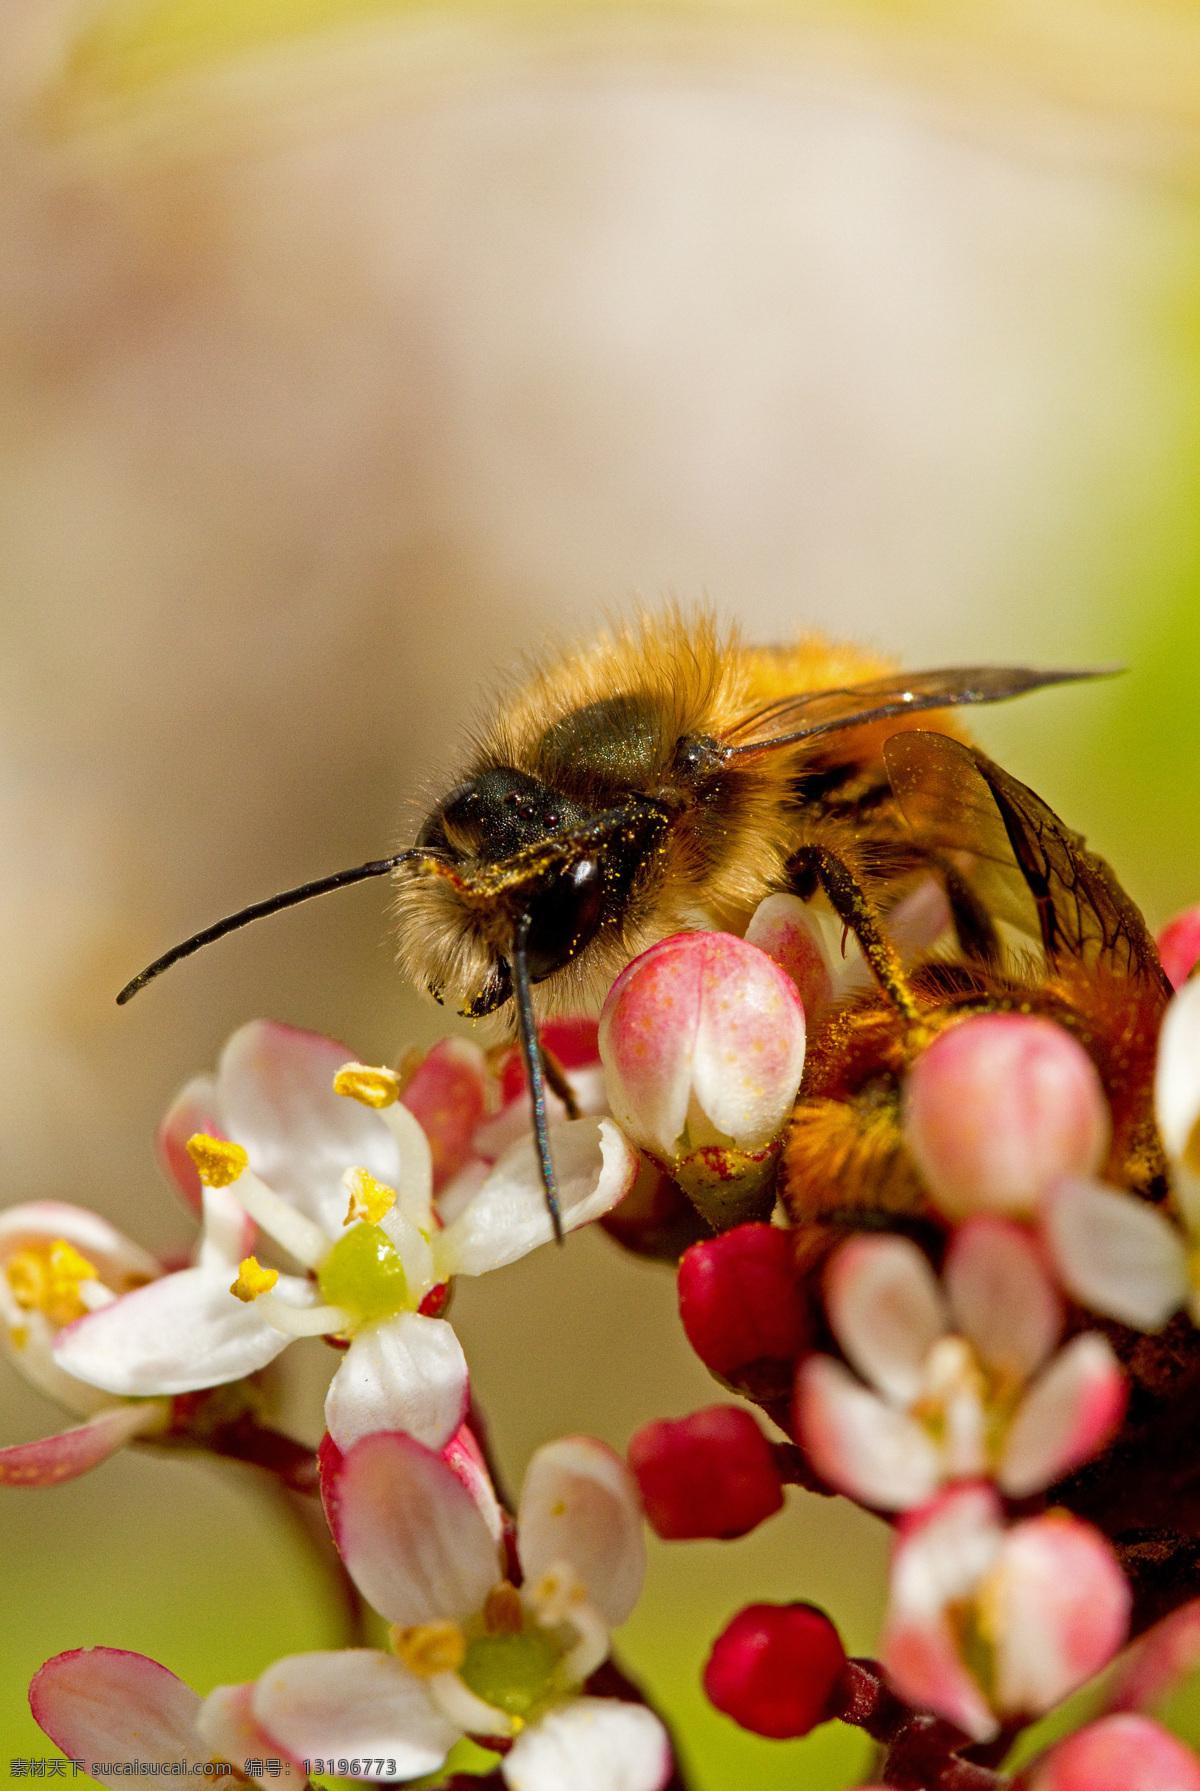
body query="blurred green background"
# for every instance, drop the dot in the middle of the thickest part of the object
(348, 348)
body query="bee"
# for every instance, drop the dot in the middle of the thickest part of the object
(666, 778)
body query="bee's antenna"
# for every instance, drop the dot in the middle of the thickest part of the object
(379, 867)
(531, 1052)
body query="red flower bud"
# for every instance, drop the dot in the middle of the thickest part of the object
(740, 1302)
(773, 1668)
(708, 1475)
(1179, 945)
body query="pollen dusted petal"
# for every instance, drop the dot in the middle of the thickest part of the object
(1001, 1296)
(181, 1333)
(353, 1701)
(782, 927)
(109, 1704)
(1067, 1416)
(594, 1167)
(275, 1096)
(591, 1744)
(580, 1504)
(886, 1310)
(647, 1039)
(76, 1451)
(407, 1373)
(410, 1533)
(1116, 1254)
(860, 1445)
(749, 1050)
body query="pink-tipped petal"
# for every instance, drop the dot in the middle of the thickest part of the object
(1116, 1254)
(193, 1110)
(448, 1095)
(998, 1108)
(109, 1704)
(353, 1702)
(408, 1373)
(781, 926)
(1117, 1753)
(183, 1332)
(1179, 946)
(1158, 1662)
(942, 1554)
(580, 1504)
(1059, 1606)
(886, 1310)
(647, 1039)
(410, 1532)
(1002, 1299)
(860, 1445)
(1177, 1076)
(1067, 1416)
(594, 1168)
(463, 1456)
(276, 1099)
(229, 1726)
(73, 1452)
(591, 1744)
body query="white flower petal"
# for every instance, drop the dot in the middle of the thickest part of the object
(1115, 1254)
(410, 1533)
(886, 1310)
(580, 1504)
(1068, 1414)
(229, 1231)
(1001, 1298)
(181, 1333)
(860, 1445)
(27, 1339)
(515, 1119)
(591, 1744)
(228, 1724)
(1177, 1073)
(1059, 1604)
(275, 1091)
(943, 1552)
(594, 1168)
(353, 1702)
(462, 1188)
(406, 1373)
(109, 1704)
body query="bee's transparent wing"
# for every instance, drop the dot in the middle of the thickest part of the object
(956, 799)
(809, 713)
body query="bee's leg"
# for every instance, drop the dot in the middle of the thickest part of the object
(816, 864)
(556, 1080)
(973, 925)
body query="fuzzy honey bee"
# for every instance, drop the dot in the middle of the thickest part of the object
(667, 777)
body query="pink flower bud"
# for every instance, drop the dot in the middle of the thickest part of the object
(1179, 945)
(773, 1668)
(448, 1098)
(707, 1475)
(741, 1305)
(1118, 1753)
(702, 1040)
(998, 1109)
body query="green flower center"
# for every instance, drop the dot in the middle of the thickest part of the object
(511, 1673)
(363, 1274)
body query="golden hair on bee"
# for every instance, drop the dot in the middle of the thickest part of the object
(666, 777)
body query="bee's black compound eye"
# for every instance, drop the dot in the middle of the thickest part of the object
(563, 917)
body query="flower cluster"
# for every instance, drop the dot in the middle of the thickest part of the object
(941, 1234)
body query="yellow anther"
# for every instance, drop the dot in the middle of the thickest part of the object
(369, 1199)
(427, 1649)
(503, 1612)
(374, 1088)
(46, 1277)
(253, 1280)
(218, 1161)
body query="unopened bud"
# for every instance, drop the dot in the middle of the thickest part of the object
(774, 1667)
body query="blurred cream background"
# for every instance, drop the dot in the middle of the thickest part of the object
(338, 366)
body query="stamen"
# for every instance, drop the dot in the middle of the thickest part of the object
(372, 1087)
(589, 1652)
(369, 1199)
(218, 1161)
(299, 1236)
(303, 1321)
(47, 1277)
(503, 1612)
(253, 1280)
(469, 1713)
(428, 1649)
